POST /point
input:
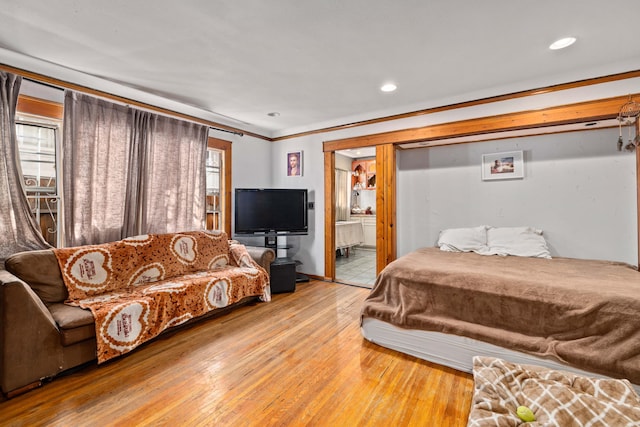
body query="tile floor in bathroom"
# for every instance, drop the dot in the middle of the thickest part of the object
(359, 268)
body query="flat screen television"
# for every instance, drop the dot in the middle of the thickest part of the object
(271, 211)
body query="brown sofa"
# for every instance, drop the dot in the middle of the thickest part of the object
(40, 336)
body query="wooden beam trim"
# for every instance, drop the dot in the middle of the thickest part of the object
(329, 216)
(39, 107)
(68, 85)
(514, 95)
(386, 245)
(565, 114)
(482, 101)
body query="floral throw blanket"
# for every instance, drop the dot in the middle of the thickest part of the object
(140, 286)
(555, 398)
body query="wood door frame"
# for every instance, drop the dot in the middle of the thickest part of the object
(387, 143)
(225, 147)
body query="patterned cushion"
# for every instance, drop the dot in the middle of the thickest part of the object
(556, 398)
(97, 269)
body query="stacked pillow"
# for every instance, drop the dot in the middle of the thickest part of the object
(463, 239)
(486, 240)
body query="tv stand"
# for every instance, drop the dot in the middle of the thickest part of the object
(301, 278)
(271, 241)
(283, 269)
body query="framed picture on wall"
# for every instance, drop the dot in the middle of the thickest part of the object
(294, 163)
(507, 165)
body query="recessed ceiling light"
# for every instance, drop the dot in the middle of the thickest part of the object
(273, 114)
(388, 87)
(562, 43)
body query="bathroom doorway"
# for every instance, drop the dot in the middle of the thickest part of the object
(355, 180)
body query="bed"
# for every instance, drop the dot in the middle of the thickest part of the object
(581, 316)
(348, 234)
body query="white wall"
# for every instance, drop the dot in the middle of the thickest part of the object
(308, 249)
(343, 162)
(577, 187)
(250, 168)
(251, 162)
(368, 199)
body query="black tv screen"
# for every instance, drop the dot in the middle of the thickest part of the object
(271, 211)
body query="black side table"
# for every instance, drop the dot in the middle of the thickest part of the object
(283, 275)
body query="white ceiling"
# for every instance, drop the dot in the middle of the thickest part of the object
(321, 63)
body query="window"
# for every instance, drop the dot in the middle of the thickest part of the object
(38, 150)
(38, 126)
(218, 185)
(214, 213)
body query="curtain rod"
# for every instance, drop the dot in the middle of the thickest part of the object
(227, 130)
(53, 86)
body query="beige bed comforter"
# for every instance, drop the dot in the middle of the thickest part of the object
(581, 312)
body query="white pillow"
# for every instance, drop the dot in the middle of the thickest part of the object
(463, 239)
(517, 241)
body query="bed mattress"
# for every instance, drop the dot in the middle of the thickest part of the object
(454, 351)
(579, 313)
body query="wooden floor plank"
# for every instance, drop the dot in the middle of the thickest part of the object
(298, 360)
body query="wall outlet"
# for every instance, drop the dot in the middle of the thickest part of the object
(311, 205)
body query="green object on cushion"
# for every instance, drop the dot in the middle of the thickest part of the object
(525, 414)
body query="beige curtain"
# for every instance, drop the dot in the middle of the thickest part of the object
(18, 229)
(129, 172)
(173, 181)
(342, 194)
(99, 170)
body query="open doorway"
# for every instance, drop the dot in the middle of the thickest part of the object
(355, 225)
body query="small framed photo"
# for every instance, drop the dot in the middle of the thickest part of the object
(294, 163)
(507, 165)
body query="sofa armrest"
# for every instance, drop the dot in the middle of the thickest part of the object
(263, 256)
(30, 347)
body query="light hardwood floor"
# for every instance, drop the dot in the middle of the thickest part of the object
(298, 360)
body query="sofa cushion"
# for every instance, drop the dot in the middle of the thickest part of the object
(40, 270)
(76, 324)
(69, 317)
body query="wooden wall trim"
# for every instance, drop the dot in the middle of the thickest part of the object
(638, 186)
(218, 144)
(537, 91)
(225, 147)
(227, 191)
(40, 107)
(482, 101)
(572, 113)
(329, 215)
(386, 245)
(68, 85)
